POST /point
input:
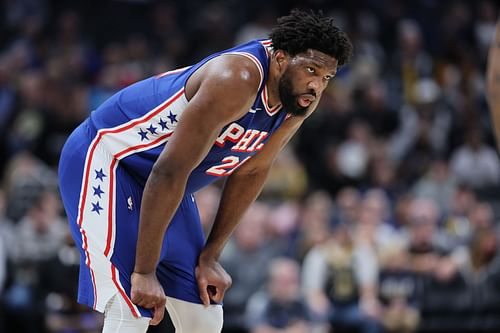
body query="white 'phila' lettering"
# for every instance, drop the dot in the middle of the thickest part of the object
(246, 141)
(232, 133)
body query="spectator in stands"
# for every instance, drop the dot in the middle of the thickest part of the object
(460, 230)
(481, 216)
(424, 126)
(467, 300)
(456, 224)
(245, 258)
(475, 164)
(56, 276)
(287, 180)
(340, 282)
(315, 220)
(399, 291)
(38, 236)
(427, 244)
(352, 156)
(348, 203)
(281, 308)
(207, 200)
(282, 229)
(26, 178)
(437, 185)
(373, 228)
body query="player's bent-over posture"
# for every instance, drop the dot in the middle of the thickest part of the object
(128, 172)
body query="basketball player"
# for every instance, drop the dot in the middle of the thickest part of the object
(493, 82)
(128, 173)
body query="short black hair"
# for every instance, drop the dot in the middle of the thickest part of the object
(302, 30)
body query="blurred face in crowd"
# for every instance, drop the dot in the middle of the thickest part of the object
(45, 212)
(284, 279)
(422, 231)
(424, 216)
(250, 232)
(373, 208)
(462, 201)
(481, 215)
(488, 245)
(318, 207)
(483, 247)
(348, 201)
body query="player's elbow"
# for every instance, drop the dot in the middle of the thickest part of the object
(168, 172)
(252, 171)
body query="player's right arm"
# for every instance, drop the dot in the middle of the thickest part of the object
(209, 109)
(493, 82)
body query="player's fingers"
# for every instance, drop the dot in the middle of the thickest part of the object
(136, 297)
(147, 301)
(202, 286)
(205, 297)
(217, 293)
(228, 282)
(158, 313)
(144, 300)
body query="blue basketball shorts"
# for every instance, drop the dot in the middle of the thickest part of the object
(102, 201)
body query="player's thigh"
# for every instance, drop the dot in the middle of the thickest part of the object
(70, 172)
(183, 243)
(190, 317)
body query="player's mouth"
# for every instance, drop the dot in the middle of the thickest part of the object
(305, 100)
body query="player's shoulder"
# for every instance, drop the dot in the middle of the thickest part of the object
(234, 70)
(246, 61)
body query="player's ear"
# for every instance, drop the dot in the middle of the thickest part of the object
(281, 59)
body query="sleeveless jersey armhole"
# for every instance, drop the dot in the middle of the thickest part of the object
(244, 51)
(255, 61)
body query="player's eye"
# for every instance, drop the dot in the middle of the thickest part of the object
(310, 70)
(328, 77)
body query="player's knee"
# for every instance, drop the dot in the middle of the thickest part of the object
(195, 318)
(119, 318)
(208, 320)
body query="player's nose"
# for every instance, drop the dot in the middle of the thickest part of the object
(315, 85)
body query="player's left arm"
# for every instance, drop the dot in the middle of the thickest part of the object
(493, 82)
(240, 190)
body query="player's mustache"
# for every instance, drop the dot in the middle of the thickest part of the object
(310, 92)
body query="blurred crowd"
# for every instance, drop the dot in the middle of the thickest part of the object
(380, 216)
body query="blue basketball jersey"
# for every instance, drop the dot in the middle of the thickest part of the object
(135, 123)
(108, 158)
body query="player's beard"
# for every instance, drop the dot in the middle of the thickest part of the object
(288, 98)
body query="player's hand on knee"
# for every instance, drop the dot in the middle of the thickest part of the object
(147, 292)
(213, 281)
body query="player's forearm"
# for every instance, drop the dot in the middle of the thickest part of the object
(161, 197)
(240, 191)
(243, 187)
(493, 82)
